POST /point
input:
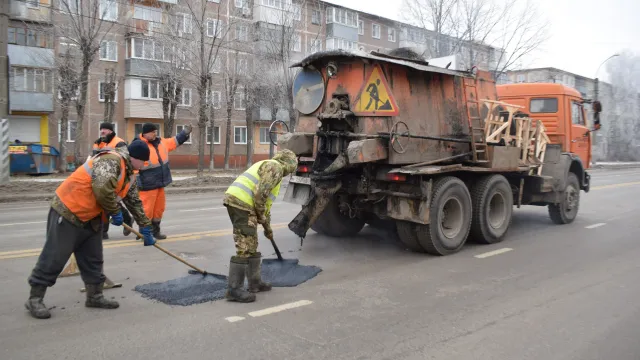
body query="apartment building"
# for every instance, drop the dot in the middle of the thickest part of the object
(31, 61)
(140, 46)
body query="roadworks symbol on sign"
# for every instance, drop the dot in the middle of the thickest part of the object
(375, 98)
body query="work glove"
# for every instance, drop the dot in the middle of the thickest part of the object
(117, 219)
(261, 218)
(147, 236)
(187, 129)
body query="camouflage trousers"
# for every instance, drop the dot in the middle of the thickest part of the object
(245, 231)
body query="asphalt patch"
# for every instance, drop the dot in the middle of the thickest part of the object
(197, 288)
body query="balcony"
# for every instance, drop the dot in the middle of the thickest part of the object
(30, 56)
(144, 109)
(30, 101)
(30, 11)
(144, 68)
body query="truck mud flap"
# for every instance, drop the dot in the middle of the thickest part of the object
(298, 190)
(322, 194)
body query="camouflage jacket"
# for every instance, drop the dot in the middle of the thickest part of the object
(106, 170)
(270, 175)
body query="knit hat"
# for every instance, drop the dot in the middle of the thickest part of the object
(139, 150)
(148, 127)
(106, 125)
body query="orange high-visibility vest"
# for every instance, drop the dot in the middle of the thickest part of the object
(77, 194)
(110, 146)
(156, 172)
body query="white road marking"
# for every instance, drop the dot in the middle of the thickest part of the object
(595, 225)
(24, 223)
(275, 309)
(493, 253)
(201, 209)
(233, 319)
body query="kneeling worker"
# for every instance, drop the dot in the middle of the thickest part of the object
(74, 224)
(248, 201)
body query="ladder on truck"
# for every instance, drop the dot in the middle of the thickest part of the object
(476, 124)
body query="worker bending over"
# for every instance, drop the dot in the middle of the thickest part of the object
(109, 141)
(87, 198)
(155, 175)
(248, 201)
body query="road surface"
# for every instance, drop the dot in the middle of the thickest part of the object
(546, 292)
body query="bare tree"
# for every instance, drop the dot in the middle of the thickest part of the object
(512, 28)
(208, 31)
(233, 74)
(85, 25)
(108, 90)
(67, 91)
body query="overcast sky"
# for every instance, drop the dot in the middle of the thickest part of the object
(583, 32)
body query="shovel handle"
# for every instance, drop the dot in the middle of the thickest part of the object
(166, 251)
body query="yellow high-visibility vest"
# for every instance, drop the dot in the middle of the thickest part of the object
(244, 187)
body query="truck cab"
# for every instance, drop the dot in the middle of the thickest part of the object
(561, 110)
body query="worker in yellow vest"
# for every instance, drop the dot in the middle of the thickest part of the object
(248, 201)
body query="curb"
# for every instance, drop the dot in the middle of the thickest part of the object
(169, 190)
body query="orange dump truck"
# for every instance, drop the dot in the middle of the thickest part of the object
(385, 137)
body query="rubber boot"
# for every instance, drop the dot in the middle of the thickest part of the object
(35, 305)
(128, 221)
(95, 299)
(235, 292)
(156, 231)
(254, 275)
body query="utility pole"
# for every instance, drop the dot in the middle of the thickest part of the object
(4, 92)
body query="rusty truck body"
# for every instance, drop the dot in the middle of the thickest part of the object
(384, 137)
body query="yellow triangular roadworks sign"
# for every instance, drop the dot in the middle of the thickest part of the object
(376, 98)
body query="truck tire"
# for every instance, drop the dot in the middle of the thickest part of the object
(407, 233)
(335, 224)
(567, 210)
(492, 209)
(449, 217)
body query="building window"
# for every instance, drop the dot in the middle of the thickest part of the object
(342, 16)
(71, 131)
(214, 1)
(183, 23)
(241, 66)
(101, 94)
(33, 3)
(375, 31)
(360, 27)
(316, 17)
(215, 100)
(391, 34)
(214, 28)
(151, 89)
(238, 99)
(239, 3)
(264, 135)
(185, 97)
(179, 128)
(108, 10)
(296, 43)
(216, 133)
(520, 78)
(546, 105)
(315, 45)
(30, 79)
(339, 43)
(147, 13)
(137, 129)
(242, 32)
(149, 50)
(297, 12)
(28, 37)
(109, 50)
(239, 134)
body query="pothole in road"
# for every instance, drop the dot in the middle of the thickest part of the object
(197, 289)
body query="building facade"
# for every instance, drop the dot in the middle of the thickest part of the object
(139, 42)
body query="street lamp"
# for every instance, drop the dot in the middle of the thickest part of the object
(596, 79)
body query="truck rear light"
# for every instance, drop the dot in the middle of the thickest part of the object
(303, 169)
(396, 177)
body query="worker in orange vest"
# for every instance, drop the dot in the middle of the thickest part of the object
(87, 198)
(155, 175)
(109, 141)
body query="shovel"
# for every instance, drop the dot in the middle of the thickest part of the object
(203, 272)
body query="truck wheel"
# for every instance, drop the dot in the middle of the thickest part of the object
(407, 233)
(335, 224)
(492, 208)
(567, 210)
